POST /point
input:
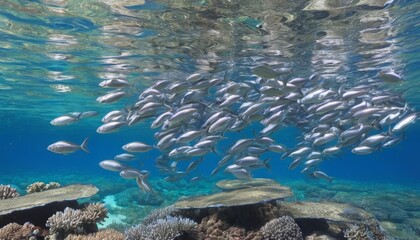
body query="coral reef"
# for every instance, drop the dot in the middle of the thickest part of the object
(14, 231)
(243, 196)
(218, 226)
(41, 186)
(107, 234)
(146, 198)
(159, 213)
(38, 207)
(368, 229)
(351, 213)
(95, 212)
(6, 191)
(73, 221)
(282, 228)
(164, 229)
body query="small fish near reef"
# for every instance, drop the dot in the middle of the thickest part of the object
(65, 147)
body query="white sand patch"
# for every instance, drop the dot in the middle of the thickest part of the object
(110, 202)
(111, 205)
(112, 218)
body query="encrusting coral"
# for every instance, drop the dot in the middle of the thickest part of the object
(6, 191)
(163, 229)
(41, 186)
(107, 234)
(282, 228)
(368, 229)
(73, 221)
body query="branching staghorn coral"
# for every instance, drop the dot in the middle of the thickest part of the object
(282, 228)
(159, 213)
(73, 221)
(95, 212)
(41, 186)
(6, 191)
(163, 229)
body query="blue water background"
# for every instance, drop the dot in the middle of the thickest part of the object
(25, 134)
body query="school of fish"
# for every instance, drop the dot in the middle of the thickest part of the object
(193, 117)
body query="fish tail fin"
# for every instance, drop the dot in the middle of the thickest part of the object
(286, 154)
(213, 149)
(83, 146)
(375, 124)
(216, 170)
(143, 185)
(267, 163)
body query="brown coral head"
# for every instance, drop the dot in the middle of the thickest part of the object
(6, 191)
(95, 212)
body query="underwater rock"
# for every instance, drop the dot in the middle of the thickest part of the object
(282, 228)
(37, 207)
(72, 221)
(6, 192)
(41, 186)
(237, 197)
(239, 183)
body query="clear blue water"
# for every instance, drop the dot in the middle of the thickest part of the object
(54, 53)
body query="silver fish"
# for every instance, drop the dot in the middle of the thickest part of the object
(113, 116)
(88, 114)
(114, 83)
(390, 76)
(64, 120)
(112, 165)
(182, 115)
(220, 125)
(65, 147)
(137, 147)
(194, 77)
(144, 185)
(111, 97)
(189, 136)
(361, 150)
(404, 123)
(240, 145)
(125, 157)
(322, 175)
(130, 173)
(161, 119)
(110, 127)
